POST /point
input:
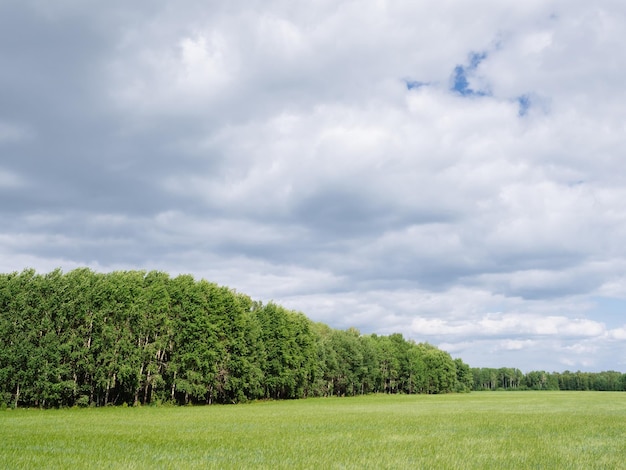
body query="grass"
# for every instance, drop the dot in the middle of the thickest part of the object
(547, 430)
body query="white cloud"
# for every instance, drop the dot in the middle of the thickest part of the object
(514, 344)
(617, 334)
(278, 150)
(498, 325)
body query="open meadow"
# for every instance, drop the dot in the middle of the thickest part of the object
(478, 430)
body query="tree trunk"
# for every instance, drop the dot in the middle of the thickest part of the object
(110, 384)
(17, 395)
(136, 401)
(90, 331)
(145, 390)
(173, 386)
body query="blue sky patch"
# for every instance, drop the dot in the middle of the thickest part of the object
(524, 105)
(414, 84)
(611, 311)
(460, 83)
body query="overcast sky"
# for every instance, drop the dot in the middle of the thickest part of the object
(452, 171)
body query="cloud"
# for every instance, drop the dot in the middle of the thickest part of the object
(514, 345)
(12, 133)
(510, 325)
(450, 172)
(9, 180)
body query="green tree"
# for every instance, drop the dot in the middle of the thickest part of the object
(440, 370)
(464, 377)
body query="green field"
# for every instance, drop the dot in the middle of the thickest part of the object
(479, 430)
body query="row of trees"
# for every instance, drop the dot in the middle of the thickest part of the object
(85, 338)
(514, 379)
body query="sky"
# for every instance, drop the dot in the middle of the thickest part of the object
(451, 171)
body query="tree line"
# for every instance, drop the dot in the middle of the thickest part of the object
(513, 379)
(83, 338)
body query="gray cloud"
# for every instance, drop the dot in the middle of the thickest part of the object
(280, 151)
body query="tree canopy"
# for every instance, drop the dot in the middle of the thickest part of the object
(134, 337)
(506, 378)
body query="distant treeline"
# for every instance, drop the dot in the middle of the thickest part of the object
(93, 339)
(514, 379)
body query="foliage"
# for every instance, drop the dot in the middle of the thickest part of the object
(513, 379)
(133, 337)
